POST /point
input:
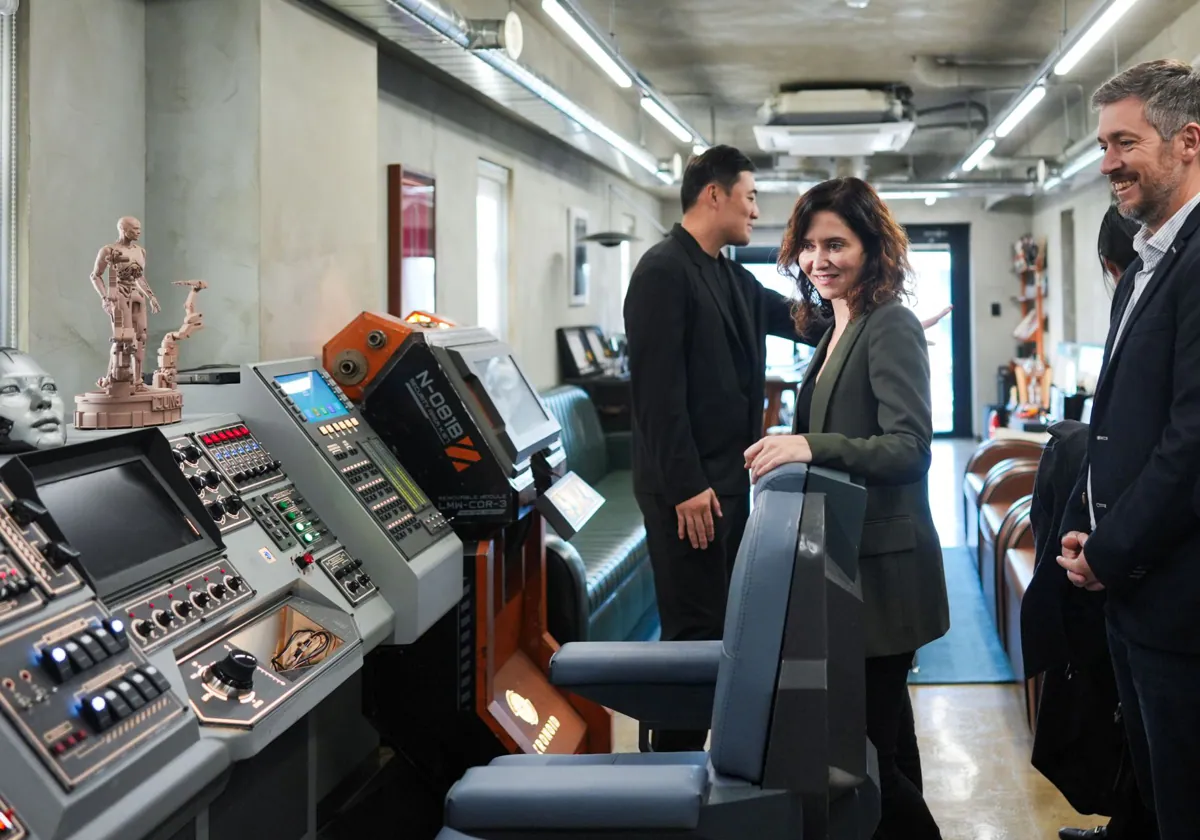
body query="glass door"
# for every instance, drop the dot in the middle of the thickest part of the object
(940, 262)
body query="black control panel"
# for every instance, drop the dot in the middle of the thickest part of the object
(238, 454)
(221, 501)
(79, 694)
(176, 607)
(10, 826)
(289, 520)
(346, 572)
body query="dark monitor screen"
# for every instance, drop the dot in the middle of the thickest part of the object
(510, 393)
(118, 518)
(312, 396)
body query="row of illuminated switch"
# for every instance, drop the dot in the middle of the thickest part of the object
(298, 519)
(84, 650)
(338, 426)
(351, 577)
(120, 699)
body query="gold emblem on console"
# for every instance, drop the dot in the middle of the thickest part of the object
(521, 707)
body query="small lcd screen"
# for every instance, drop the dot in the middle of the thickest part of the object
(312, 395)
(575, 499)
(509, 392)
(117, 518)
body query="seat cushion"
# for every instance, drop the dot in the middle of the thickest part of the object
(991, 519)
(585, 797)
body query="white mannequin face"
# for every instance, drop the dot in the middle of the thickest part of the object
(29, 400)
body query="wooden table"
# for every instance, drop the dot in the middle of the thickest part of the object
(777, 382)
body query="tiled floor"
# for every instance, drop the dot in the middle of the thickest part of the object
(975, 744)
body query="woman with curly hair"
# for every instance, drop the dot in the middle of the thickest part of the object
(864, 407)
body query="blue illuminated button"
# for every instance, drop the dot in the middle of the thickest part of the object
(117, 627)
(56, 664)
(96, 711)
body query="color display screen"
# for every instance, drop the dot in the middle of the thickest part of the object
(312, 396)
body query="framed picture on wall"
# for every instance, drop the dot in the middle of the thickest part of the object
(412, 276)
(578, 270)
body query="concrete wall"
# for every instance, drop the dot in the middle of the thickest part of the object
(430, 128)
(83, 165)
(993, 233)
(318, 149)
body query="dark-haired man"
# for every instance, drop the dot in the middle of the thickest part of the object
(696, 325)
(1138, 539)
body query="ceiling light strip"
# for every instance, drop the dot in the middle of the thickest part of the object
(581, 25)
(1099, 19)
(589, 44)
(545, 91)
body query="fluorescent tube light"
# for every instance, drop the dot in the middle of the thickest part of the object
(596, 52)
(1022, 110)
(1092, 36)
(977, 156)
(1051, 183)
(651, 107)
(557, 99)
(1084, 160)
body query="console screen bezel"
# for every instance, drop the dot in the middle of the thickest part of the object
(65, 463)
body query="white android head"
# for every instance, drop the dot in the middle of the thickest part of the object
(31, 409)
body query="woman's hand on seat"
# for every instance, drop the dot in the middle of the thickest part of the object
(775, 451)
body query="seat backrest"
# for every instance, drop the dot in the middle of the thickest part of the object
(1008, 481)
(993, 452)
(582, 435)
(755, 619)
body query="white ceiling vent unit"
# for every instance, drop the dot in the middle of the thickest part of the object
(834, 122)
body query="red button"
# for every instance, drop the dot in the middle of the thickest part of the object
(70, 740)
(308, 559)
(81, 735)
(59, 749)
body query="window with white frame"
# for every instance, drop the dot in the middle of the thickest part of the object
(491, 243)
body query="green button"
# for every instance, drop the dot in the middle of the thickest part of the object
(284, 505)
(300, 526)
(309, 538)
(291, 517)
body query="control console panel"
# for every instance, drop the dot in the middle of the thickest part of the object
(175, 608)
(79, 693)
(365, 497)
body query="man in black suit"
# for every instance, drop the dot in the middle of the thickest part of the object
(1134, 531)
(696, 324)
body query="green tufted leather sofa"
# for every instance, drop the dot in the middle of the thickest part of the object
(599, 586)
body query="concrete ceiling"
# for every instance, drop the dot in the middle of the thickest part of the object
(718, 60)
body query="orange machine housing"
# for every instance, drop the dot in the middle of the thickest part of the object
(504, 586)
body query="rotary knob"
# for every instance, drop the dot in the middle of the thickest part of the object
(180, 456)
(191, 452)
(202, 600)
(198, 483)
(212, 478)
(217, 510)
(233, 504)
(236, 670)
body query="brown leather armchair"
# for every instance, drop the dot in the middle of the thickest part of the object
(1005, 484)
(989, 454)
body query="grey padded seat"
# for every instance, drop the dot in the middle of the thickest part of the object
(784, 693)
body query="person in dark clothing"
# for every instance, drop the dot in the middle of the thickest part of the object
(1130, 529)
(1079, 741)
(864, 408)
(696, 325)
